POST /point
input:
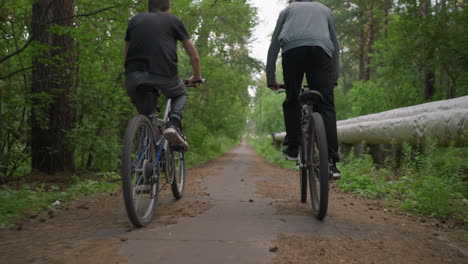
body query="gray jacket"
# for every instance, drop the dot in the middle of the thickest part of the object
(303, 24)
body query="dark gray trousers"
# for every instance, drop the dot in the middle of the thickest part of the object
(140, 88)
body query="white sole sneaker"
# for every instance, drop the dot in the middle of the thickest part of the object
(174, 138)
(291, 158)
(335, 176)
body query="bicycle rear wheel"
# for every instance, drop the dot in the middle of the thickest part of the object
(138, 171)
(178, 161)
(317, 161)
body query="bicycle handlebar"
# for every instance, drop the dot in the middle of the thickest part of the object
(202, 80)
(282, 86)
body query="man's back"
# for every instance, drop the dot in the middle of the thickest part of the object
(153, 37)
(307, 23)
(303, 24)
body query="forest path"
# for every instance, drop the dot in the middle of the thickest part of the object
(237, 209)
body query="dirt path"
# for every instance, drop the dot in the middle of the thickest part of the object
(237, 209)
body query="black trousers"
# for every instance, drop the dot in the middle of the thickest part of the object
(317, 66)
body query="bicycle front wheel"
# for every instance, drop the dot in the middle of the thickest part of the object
(138, 171)
(317, 162)
(178, 161)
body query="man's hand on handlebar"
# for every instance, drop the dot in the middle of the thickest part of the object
(194, 81)
(274, 86)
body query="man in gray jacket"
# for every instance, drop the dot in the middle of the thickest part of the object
(305, 32)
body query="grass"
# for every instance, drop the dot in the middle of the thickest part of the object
(209, 149)
(263, 145)
(432, 182)
(39, 197)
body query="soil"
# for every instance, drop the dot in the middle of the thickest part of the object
(92, 229)
(356, 230)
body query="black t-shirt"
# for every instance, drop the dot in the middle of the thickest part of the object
(153, 41)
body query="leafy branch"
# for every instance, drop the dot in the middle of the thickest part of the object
(85, 15)
(16, 52)
(15, 72)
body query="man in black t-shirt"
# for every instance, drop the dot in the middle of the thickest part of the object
(151, 61)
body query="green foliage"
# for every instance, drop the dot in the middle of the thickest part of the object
(211, 147)
(264, 147)
(362, 177)
(34, 199)
(342, 103)
(433, 181)
(215, 113)
(388, 50)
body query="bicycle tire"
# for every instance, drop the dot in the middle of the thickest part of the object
(303, 182)
(318, 166)
(178, 182)
(138, 171)
(302, 172)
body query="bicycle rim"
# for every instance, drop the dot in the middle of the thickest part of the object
(179, 174)
(138, 171)
(318, 168)
(303, 171)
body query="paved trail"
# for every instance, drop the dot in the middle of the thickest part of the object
(238, 228)
(237, 209)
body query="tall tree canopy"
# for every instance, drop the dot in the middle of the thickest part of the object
(62, 102)
(394, 53)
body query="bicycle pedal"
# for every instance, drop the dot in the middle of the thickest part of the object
(142, 189)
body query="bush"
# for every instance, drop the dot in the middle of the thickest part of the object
(432, 181)
(13, 203)
(264, 146)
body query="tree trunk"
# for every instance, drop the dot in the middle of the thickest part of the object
(2, 168)
(429, 76)
(362, 49)
(52, 79)
(387, 5)
(429, 80)
(369, 42)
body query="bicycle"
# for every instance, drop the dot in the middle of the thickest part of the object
(313, 154)
(147, 160)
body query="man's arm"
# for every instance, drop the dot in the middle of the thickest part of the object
(273, 53)
(336, 52)
(194, 60)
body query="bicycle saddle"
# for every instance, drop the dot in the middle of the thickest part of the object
(310, 97)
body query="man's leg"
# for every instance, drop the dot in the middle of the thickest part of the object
(293, 74)
(177, 92)
(319, 77)
(141, 95)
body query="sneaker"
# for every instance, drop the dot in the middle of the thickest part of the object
(174, 135)
(291, 152)
(335, 173)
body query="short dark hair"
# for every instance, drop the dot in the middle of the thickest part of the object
(158, 5)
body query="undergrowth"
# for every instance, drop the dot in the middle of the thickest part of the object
(209, 148)
(263, 145)
(34, 197)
